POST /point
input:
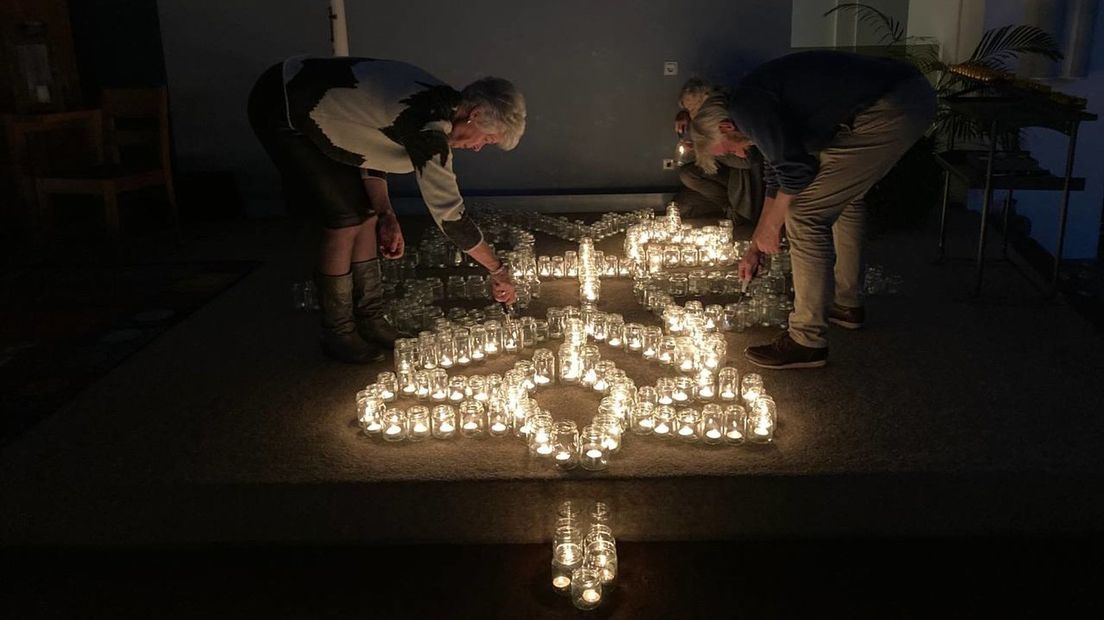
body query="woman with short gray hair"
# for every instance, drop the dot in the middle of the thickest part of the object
(336, 127)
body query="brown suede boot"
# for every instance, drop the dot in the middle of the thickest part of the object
(368, 305)
(338, 336)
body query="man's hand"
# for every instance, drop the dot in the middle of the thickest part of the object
(767, 239)
(749, 264)
(389, 236)
(682, 122)
(502, 288)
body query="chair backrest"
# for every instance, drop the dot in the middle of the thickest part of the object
(44, 144)
(137, 126)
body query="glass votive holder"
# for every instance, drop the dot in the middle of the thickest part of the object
(665, 390)
(561, 572)
(601, 375)
(751, 387)
(712, 424)
(686, 354)
(571, 264)
(642, 418)
(706, 386)
(593, 454)
(457, 389)
(408, 382)
(388, 386)
(511, 336)
(615, 330)
(647, 394)
(667, 350)
(473, 420)
(689, 256)
(418, 423)
(477, 388)
(555, 318)
(735, 423)
(634, 337)
(540, 328)
(571, 363)
(728, 384)
(599, 327)
(590, 289)
(559, 269)
(461, 343)
(443, 421)
(544, 266)
(683, 391)
(762, 418)
(446, 350)
(369, 410)
(601, 555)
(427, 350)
(652, 336)
(565, 444)
(438, 385)
(686, 426)
(610, 426)
(664, 421)
(394, 425)
(574, 331)
(544, 367)
(527, 371)
(425, 384)
(499, 418)
(540, 435)
(492, 345)
(528, 331)
(591, 357)
(586, 588)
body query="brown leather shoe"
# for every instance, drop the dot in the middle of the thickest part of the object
(850, 318)
(784, 353)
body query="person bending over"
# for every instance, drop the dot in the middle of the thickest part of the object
(336, 127)
(830, 125)
(735, 190)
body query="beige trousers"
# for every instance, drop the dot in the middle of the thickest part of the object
(827, 220)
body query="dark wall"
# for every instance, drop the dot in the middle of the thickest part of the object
(118, 43)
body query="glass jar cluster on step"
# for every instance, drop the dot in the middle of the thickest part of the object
(584, 554)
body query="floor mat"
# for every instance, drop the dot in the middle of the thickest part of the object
(62, 327)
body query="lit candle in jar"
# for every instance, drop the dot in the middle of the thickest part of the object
(561, 582)
(591, 595)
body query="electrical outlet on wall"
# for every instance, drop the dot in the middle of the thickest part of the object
(668, 164)
(670, 67)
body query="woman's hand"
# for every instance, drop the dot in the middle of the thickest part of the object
(749, 263)
(390, 236)
(502, 288)
(682, 122)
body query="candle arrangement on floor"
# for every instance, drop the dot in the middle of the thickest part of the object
(703, 401)
(584, 554)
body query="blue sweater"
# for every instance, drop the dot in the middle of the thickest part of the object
(792, 106)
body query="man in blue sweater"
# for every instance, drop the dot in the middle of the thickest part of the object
(829, 125)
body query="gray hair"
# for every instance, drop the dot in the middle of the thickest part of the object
(503, 108)
(705, 131)
(697, 90)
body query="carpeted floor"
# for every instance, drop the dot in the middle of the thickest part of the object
(943, 416)
(64, 326)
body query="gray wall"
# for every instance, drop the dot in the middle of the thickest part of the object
(600, 110)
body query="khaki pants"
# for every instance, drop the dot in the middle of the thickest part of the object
(826, 222)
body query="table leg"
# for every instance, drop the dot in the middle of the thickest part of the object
(1004, 224)
(1062, 211)
(986, 199)
(943, 214)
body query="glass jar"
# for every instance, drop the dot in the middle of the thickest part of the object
(473, 421)
(689, 257)
(683, 391)
(593, 454)
(394, 425)
(686, 354)
(615, 330)
(408, 382)
(511, 336)
(571, 264)
(369, 410)
(493, 344)
(388, 386)
(590, 289)
(555, 318)
(610, 425)
(664, 421)
(418, 423)
(559, 267)
(425, 384)
(439, 385)
(665, 354)
(634, 337)
(586, 588)
(540, 435)
(751, 387)
(443, 421)
(499, 419)
(647, 394)
(706, 387)
(601, 556)
(735, 423)
(591, 358)
(544, 367)
(728, 384)
(575, 331)
(665, 390)
(461, 343)
(571, 363)
(565, 444)
(642, 418)
(544, 266)
(762, 418)
(652, 337)
(712, 429)
(601, 379)
(686, 426)
(599, 326)
(528, 331)
(678, 285)
(446, 350)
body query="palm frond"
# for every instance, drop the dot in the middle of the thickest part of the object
(893, 30)
(1000, 45)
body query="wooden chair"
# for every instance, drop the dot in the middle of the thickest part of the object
(132, 153)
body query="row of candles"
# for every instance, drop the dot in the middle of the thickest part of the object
(584, 566)
(499, 406)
